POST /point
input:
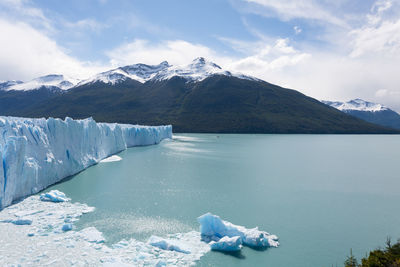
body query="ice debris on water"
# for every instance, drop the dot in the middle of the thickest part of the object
(213, 228)
(45, 241)
(22, 222)
(51, 238)
(54, 196)
(67, 227)
(166, 244)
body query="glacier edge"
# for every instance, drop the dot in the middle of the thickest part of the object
(37, 153)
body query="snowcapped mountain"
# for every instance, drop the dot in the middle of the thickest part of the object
(5, 84)
(368, 111)
(139, 72)
(356, 104)
(50, 81)
(198, 70)
(197, 97)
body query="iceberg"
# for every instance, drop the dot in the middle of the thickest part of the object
(229, 244)
(213, 228)
(54, 196)
(113, 158)
(37, 153)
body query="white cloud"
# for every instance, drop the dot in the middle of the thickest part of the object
(85, 24)
(297, 29)
(268, 59)
(383, 38)
(26, 53)
(381, 93)
(303, 9)
(15, 9)
(175, 52)
(379, 35)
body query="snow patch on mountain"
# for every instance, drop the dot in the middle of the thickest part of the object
(5, 84)
(52, 80)
(198, 70)
(356, 104)
(138, 72)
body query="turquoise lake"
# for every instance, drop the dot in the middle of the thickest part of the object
(321, 194)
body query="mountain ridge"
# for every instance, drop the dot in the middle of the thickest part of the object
(199, 97)
(368, 111)
(217, 104)
(199, 69)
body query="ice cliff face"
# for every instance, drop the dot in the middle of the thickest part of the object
(36, 153)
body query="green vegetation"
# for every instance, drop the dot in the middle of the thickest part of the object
(386, 257)
(218, 104)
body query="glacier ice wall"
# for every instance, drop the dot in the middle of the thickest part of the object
(36, 153)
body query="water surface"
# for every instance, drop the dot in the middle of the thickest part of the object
(321, 194)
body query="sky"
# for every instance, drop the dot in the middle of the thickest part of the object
(327, 49)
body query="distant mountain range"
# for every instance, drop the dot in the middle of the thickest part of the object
(199, 97)
(368, 111)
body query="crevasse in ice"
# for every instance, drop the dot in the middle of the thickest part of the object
(36, 153)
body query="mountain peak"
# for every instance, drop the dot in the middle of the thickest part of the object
(201, 62)
(164, 63)
(5, 84)
(50, 80)
(139, 72)
(198, 70)
(357, 104)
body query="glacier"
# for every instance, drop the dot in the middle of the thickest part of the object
(39, 152)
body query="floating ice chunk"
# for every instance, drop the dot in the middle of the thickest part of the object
(92, 235)
(166, 244)
(22, 222)
(227, 244)
(161, 264)
(111, 159)
(212, 227)
(54, 196)
(67, 227)
(256, 238)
